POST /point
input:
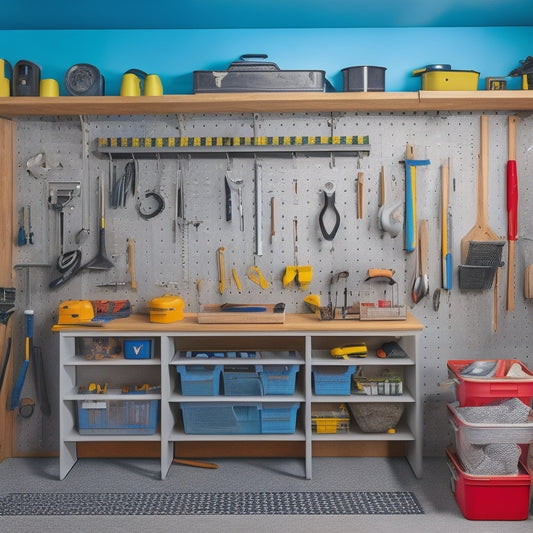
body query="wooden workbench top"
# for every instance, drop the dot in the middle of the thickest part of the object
(294, 323)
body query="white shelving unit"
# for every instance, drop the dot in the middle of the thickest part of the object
(305, 335)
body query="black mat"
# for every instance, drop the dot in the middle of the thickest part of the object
(212, 503)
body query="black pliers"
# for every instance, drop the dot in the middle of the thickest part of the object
(329, 203)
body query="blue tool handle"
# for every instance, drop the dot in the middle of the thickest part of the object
(448, 265)
(244, 309)
(28, 314)
(410, 210)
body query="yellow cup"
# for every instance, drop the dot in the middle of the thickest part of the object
(48, 87)
(153, 85)
(131, 85)
(5, 87)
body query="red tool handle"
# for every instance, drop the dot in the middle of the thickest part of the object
(512, 201)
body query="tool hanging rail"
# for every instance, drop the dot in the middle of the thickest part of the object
(151, 146)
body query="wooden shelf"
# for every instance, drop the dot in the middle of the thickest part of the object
(517, 100)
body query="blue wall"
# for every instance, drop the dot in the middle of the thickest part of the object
(175, 54)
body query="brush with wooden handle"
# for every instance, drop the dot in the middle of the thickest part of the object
(131, 263)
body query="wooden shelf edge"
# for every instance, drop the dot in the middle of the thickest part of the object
(278, 102)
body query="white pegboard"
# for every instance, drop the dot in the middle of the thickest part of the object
(182, 259)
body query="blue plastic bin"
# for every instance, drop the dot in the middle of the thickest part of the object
(333, 379)
(278, 379)
(97, 416)
(221, 418)
(241, 382)
(199, 380)
(278, 417)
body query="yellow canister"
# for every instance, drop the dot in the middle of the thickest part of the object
(166, 308)
(6, 73)
(443, 78)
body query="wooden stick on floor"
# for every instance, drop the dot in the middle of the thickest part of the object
(198, 464)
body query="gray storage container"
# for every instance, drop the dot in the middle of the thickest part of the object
(252, 74)
(363, 78)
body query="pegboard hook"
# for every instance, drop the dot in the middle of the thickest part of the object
(180, 118)
(331, 160)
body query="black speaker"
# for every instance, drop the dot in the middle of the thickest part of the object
(26, 79)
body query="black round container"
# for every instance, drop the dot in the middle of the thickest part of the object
(363, 78)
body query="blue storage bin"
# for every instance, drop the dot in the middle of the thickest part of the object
(138, 349)
(278, 379)
(97, 416)
(241, 382)
(278, 417)
(333, 379)
(199, 380)
(221, 418)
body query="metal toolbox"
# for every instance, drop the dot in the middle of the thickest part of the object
(252, 74)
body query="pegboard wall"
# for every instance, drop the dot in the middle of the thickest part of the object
(179, 255)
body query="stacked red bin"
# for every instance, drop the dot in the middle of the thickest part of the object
(491, 497)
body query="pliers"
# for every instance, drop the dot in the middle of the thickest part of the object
(329, 203)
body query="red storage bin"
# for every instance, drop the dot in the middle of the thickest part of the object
(472, 391)
(490, 497)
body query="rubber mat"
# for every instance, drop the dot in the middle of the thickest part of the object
(211, 503)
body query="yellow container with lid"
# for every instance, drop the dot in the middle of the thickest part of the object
(443, 78)
(75, 312)
(165, 309)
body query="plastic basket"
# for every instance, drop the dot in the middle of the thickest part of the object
(220, 418)
(241, 383)
(487, 448)
(490, 433)
(278, 379)
(199, 380)
(117, 417)
(278, 418)
(473, 391)
(490, 497)
(333, 379)
(330, 418)
(217, 418)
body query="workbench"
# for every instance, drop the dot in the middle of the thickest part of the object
(302, 334)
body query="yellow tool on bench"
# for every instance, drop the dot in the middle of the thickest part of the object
(352, 350)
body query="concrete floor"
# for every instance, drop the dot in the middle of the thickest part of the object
(442, 515)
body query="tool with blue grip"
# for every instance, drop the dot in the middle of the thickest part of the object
(17, 389)
(446, 229)
(410, 198)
